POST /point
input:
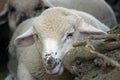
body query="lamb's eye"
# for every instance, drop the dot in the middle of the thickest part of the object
(69, 35)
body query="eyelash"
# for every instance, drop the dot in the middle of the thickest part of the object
(69, 35)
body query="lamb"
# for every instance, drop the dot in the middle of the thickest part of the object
(20, 10)
(40, 43)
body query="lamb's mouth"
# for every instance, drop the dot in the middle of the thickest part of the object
(56, 70)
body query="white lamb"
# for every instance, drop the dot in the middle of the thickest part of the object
(39, 44)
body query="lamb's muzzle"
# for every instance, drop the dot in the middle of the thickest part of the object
(55, 69)
(50, 62)
(53, 64)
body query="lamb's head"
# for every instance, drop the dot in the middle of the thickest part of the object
(56, 29)
(20, 10)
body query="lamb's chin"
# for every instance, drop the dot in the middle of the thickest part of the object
(58, 70)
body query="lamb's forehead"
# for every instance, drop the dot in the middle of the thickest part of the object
(23, 4)
(53, 23)
(53, 29)
(56, 16)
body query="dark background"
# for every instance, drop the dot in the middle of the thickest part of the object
(115, 4)
(4, 34)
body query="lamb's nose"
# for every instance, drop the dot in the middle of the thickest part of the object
(50, 62)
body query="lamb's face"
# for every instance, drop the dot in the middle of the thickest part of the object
(54, 49)
(57, 40)
(56, 30)
(20, 10)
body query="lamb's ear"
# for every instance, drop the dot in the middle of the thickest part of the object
(25, 39)
(87, 29)
(3, 11)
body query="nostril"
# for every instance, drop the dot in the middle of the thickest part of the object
(50, 60)
(51, 63)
